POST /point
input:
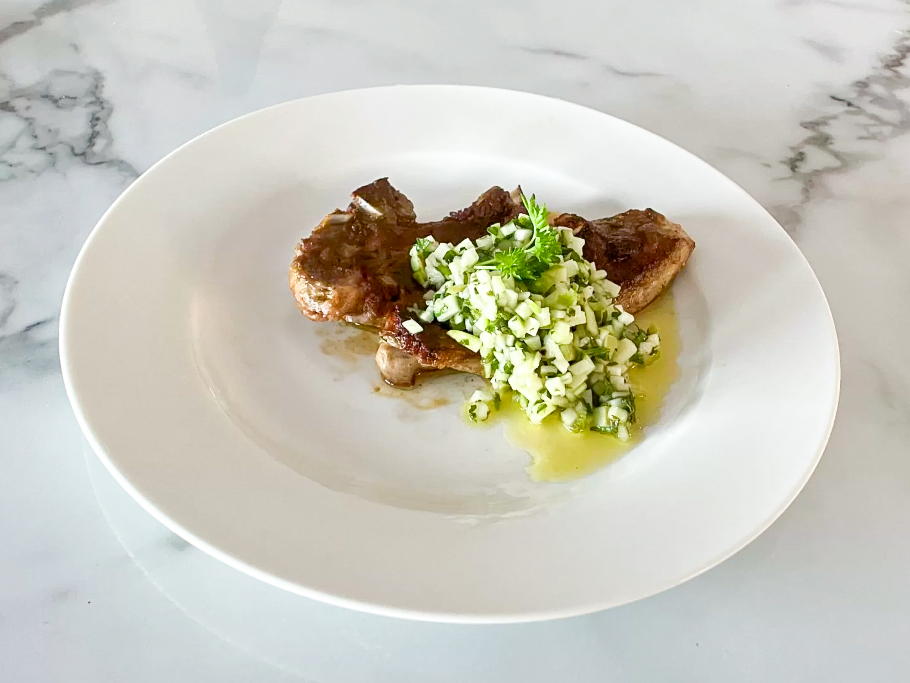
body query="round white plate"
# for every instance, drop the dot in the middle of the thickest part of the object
(212, 401)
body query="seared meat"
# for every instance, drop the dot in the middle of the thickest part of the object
(431, 349)
(356, 267)
(640, 250)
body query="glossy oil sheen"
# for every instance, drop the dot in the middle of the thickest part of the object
(559, 455)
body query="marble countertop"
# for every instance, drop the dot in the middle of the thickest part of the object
(805, 103)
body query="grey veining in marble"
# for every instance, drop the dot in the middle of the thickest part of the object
(37, 16)
(609, 68)
(805, 103)
(57, 121)
(874, 109)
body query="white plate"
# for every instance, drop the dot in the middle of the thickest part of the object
(207, 394)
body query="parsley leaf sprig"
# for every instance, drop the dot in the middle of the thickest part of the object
(542, 251)
(519, 264)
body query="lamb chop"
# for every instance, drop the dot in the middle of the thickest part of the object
(356, 267)
(641, 251)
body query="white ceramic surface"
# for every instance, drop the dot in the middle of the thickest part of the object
(207, 395)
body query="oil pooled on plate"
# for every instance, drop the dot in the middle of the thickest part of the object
(559, 455)
(556, 454)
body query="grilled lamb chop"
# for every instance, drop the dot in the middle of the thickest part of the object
(640, 250)
(356, 267)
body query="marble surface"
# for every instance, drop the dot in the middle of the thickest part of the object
(805, 103)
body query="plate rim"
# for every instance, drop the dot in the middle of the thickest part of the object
(374, 607)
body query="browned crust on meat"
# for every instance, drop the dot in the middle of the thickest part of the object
(433, 347)
(323, 300)
(641, 251)
(355, 265)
